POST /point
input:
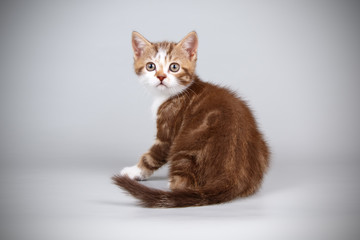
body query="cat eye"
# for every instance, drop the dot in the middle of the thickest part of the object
(174, 67)
(150, 66)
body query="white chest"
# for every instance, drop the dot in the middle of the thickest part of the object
(158, 100)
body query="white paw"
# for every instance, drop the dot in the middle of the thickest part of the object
(133, 172)
(169, 184)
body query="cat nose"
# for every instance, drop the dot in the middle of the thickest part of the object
(161, 77)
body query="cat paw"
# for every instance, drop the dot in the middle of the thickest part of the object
(133, 172)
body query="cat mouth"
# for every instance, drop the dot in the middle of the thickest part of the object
(161, 85)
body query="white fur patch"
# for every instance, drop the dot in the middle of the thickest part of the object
(133, 172)
(169, 184)
(158, 100)
(160, 57)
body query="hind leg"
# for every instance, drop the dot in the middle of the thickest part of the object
(182, 171)
(178, 182)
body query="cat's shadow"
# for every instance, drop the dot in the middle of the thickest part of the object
(157, 178)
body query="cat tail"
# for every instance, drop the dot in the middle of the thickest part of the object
(156, 198)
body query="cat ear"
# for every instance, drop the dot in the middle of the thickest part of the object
(190, 44)
(139, 43)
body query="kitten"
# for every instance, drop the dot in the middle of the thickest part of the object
(205, 132)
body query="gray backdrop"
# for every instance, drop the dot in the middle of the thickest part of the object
(70, 100)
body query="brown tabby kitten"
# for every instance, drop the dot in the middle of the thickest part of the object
(205, 132)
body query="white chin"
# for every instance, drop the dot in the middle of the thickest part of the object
(161, 88)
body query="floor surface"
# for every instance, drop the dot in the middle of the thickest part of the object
(297, 201)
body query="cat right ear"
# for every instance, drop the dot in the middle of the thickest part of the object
(139, 43)
(190, 44)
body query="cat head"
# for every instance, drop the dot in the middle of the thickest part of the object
(165, 68)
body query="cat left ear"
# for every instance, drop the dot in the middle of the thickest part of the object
(190, 44)
(139, 43)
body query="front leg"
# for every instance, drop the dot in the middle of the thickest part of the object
(149, 162)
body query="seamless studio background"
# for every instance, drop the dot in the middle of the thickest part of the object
(73, 113)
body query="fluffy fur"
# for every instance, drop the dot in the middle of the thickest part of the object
(206, 133)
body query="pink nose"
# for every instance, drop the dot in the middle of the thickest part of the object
(161, 77)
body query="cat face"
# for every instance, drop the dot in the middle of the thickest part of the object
(165, 68)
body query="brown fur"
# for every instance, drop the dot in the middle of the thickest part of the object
(208, 136)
